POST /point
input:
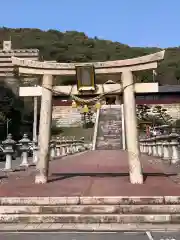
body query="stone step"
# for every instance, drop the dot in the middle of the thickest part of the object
(92, 209)
(93, 218)
(114, 200)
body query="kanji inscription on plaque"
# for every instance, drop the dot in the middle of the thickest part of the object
(109, 135)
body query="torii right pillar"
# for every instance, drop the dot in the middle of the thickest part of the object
(132, 141)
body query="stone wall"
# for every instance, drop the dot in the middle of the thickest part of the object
(66, 116)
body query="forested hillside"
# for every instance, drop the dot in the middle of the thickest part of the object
(72, 46)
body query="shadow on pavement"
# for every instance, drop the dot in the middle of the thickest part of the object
(62, 176)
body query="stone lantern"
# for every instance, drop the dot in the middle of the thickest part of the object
(8, 146)
(24, 148)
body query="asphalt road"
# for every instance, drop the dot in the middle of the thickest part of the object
(90, 236)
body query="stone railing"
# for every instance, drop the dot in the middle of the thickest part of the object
(25, 151)
(165, 146)
(63, 147)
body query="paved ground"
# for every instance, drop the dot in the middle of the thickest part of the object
(15, 163)
(97, 173)
(90, 236)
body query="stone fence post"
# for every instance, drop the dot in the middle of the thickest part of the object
(52, 149)
(165, 146)
(67, 146)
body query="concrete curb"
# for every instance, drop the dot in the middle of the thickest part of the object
(129, 200)
(88, 227)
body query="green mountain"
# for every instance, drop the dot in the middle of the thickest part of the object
(72, 46)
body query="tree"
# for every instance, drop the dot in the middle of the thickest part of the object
(11, 107)
(143, 112)
(176, 124)
(161, 115)
(153, 116)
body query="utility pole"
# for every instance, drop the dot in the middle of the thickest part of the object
(35, 119)
(7, 125)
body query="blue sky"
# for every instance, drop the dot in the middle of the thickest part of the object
(133, 22)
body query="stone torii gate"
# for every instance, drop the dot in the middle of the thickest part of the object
(123, 67)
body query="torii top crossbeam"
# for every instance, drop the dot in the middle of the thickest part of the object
(135, 64)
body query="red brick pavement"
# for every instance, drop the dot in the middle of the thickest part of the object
(98, 173)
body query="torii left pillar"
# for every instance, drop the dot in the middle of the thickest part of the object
(135, 168)
(42, 166)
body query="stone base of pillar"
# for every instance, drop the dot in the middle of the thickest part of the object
(166, 158)
(136, 178)
(135, 169)
(8, 170)
(41, 179)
